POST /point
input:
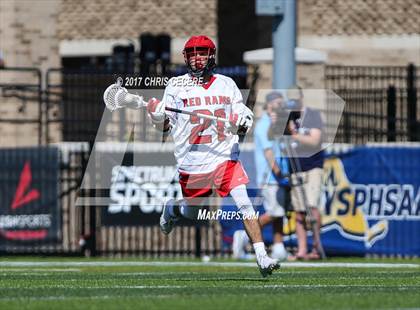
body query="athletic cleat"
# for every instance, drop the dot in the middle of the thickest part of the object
(167, 221)
(266, 265)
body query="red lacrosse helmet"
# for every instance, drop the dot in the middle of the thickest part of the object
(200, 56)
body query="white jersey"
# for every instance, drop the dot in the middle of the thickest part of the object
(201, 144)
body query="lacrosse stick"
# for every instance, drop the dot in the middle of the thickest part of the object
(116, 97)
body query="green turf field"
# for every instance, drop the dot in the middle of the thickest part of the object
(34, 283)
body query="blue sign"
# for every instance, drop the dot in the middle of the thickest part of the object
(370, 202)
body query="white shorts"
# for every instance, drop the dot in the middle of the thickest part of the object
(271, 205)
(312, 182)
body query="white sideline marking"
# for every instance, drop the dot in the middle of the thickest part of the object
(210, 264)
(398, 287)
(90, 297)
(99, 287)
(45, 270)
(147, 287)
(309, 286)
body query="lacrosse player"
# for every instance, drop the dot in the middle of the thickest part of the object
(207, 151)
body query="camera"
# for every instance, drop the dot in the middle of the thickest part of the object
(289, 111)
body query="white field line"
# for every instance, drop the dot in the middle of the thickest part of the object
(309, 286)
(65, 297)
(46, 270)
(264, 286)
(218, 287)
(98, 287)
(210, 264)
(135, 274)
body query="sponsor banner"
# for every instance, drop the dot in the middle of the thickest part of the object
(370, 203)
(137, 192)
(370, 197)
(29, 191)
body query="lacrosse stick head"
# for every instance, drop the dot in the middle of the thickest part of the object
(124, 99)
(119, 97)
(109, 96)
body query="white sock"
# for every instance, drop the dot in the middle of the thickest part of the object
(259, 248)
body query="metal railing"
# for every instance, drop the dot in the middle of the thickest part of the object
(21, 89)
(380, 102)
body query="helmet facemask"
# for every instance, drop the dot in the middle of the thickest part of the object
(200, 61)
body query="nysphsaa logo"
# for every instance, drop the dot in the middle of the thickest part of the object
(143, 187)
(362, 211)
